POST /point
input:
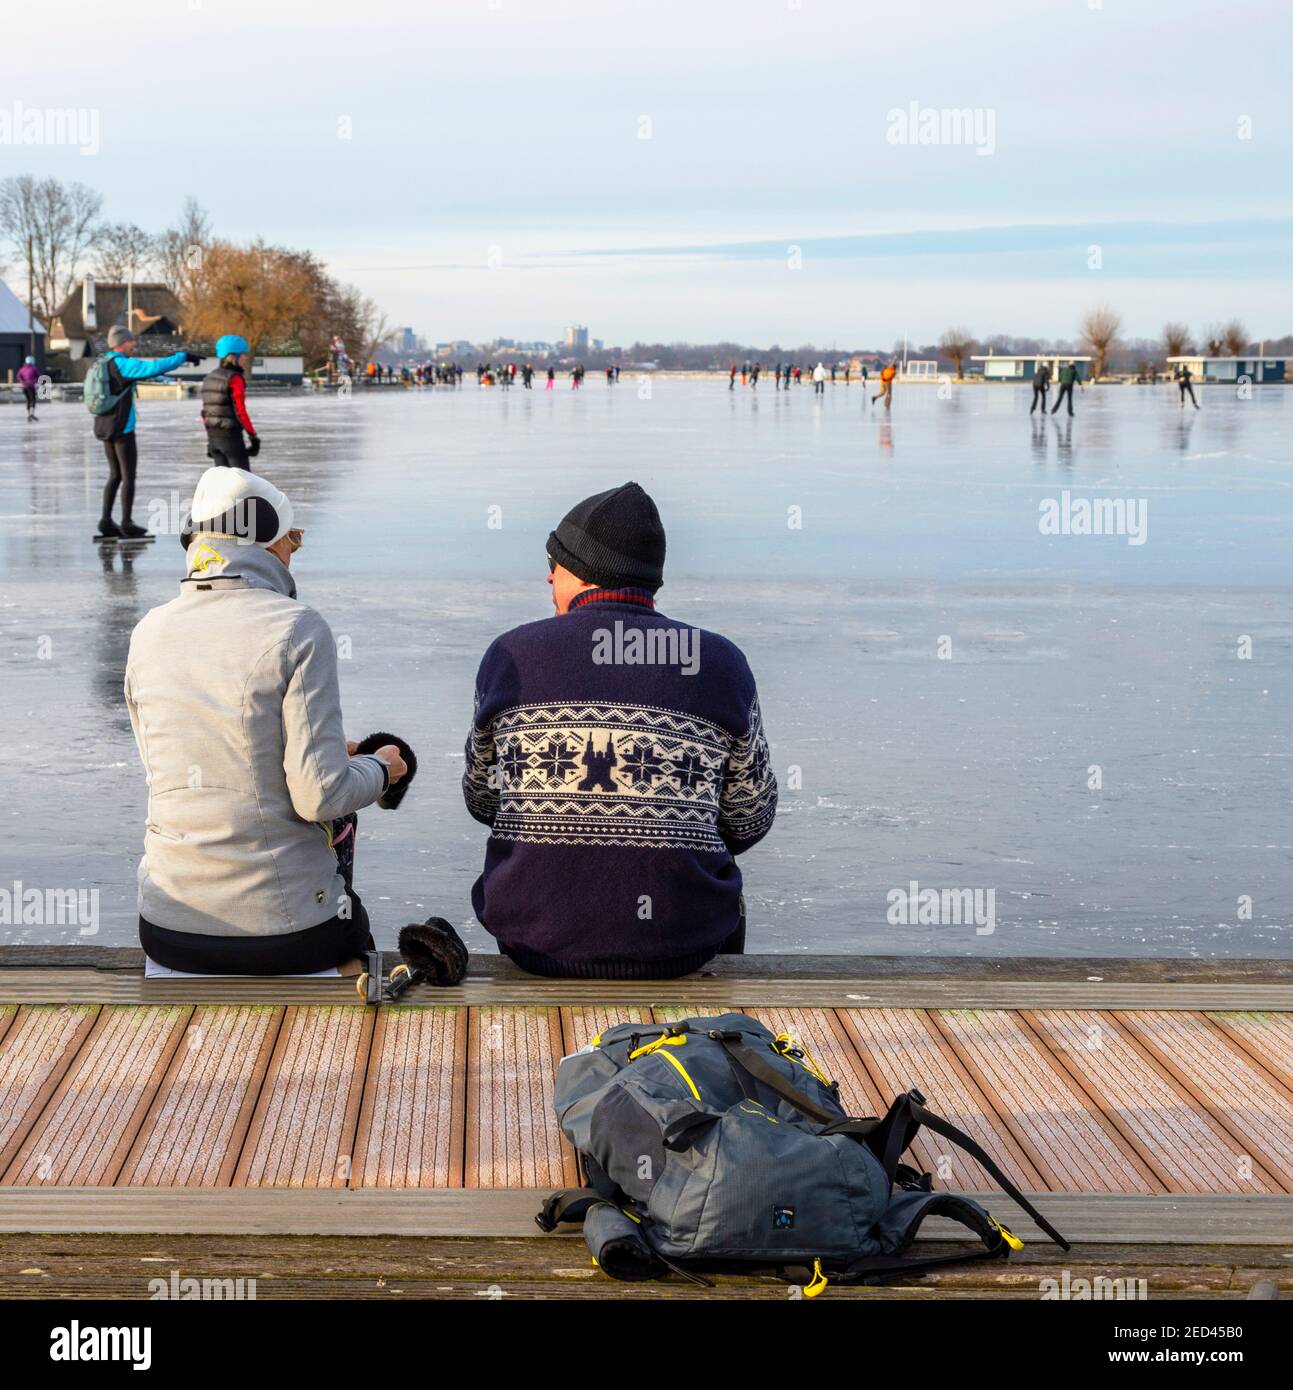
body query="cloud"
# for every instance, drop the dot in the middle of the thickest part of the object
(1144, 249)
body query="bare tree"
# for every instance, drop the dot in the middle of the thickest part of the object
(1176, 339)
(1213, 339)
(371, 326)
(52, 226)
(182, 248)
(1234, 338)
(124, 251)
(955, 345)
(1100, 334)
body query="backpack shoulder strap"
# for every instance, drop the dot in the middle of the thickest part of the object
(911, 1108)
(889, 1138)
(997, 1242)
(570, 1204)
(748, 1060)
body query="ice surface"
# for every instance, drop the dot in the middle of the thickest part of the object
(1066, 652)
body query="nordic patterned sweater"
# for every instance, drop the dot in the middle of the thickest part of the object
(617, 788)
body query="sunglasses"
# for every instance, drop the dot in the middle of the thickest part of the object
(296, 538)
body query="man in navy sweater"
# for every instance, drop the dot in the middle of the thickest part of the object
(619, 759)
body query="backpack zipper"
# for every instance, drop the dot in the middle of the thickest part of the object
(669, 1040)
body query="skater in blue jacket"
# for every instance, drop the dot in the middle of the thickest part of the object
(116, 428)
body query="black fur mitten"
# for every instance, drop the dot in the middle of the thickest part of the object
(435, 951)
(393, 794)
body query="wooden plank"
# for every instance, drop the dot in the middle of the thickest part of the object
(341, 1267)
(36, 1051)
(411, 1121)
(65, 986)
(195, 1128)
(1052, 1119)
(594, 1289)
(8, 1012)
(1247, 1102)
(86, 1130)
(57, 1266)
(1186, 1148)
(512, 1135)
(1117, 1218)
(402, 1256)
(303, 1130)
(777, 966)
(1266, 1038)
(700, 1008)
(579, 1026)
(901, 1048)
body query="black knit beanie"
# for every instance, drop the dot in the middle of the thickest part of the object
(611, 539)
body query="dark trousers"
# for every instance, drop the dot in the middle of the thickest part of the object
(29, 395)
(296, 953)
(1185, 386)
(735, 944)
(321, 947)
(123, 458)
(1039, 398)
(1066, 389)
(227, 450)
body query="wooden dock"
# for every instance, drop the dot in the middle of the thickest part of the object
(263, 1125)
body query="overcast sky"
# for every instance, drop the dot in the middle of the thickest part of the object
(506, 167)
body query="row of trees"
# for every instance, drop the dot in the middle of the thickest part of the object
(1100, 335)
(279, 299)
(1219, 340)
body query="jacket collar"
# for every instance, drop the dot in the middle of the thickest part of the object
(212, 556)
(621, 596)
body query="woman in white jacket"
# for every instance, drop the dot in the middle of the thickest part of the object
(252, 787)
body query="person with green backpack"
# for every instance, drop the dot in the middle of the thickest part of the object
(110, 398)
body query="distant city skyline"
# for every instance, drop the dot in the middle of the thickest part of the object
(762, 171)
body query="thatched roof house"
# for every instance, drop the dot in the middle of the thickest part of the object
(94, 306)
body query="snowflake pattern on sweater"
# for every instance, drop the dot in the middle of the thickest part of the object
(620, 775)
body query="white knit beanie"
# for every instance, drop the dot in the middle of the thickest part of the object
(237, 502)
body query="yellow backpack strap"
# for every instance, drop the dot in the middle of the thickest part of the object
(664, 1040)
(1009, 1237)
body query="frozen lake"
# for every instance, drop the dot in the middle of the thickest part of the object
(952, 697)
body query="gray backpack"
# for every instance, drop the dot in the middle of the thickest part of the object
(99, 397)
(715, 1144)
